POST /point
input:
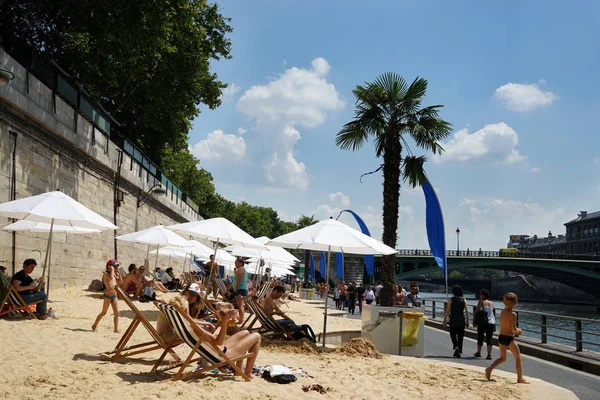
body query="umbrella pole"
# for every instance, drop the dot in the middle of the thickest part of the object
(156, 258)
(147, 261)
(210, 275)
(326, 294)
(48, 258)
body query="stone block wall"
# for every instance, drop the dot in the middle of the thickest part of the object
(82, 163)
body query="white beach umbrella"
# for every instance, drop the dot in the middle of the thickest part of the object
(218, 230)
(42, 227)
(54, 208)
(278, 252)
(331, 235)
(157, 236)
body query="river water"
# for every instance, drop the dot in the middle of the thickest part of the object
(529, 322)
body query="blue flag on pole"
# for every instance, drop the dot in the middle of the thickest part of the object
(369, 260)
(312, 267)
(435, 226)
(339, 265)
(322, 266)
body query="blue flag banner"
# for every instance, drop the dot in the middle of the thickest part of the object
(339, 265)
(322, 266)
(369, 260)
(312, 267)
(435, 226)
(369, 173)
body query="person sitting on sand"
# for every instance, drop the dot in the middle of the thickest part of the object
(29, 289)
(235, 345)
(271, 308)
(109, 296)
(149, 283)
(3, 270)
(169, 281)
(506, 338)
(131, 283)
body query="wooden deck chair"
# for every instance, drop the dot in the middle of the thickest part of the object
(222, 287)
(204, 346)
(268, 325)
(12, 303)
(157, 342)
(263, 291)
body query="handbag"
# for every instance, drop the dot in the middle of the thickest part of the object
(480, 318)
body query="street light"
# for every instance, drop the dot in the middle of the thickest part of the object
(457, 241)
(154, 189)
(5, 76)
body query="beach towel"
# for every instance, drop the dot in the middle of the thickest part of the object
(278, 374)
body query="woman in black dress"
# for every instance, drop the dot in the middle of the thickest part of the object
(457, 317)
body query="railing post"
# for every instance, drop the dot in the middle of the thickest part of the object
(578, 336)
(544, 330)
(517, 321)
(433, 309)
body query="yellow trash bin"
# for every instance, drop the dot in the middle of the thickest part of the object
(410, 328)
(310, 294)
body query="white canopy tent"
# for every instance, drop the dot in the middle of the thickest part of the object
(54, 209)
(331, 235)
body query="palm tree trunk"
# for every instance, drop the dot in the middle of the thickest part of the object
(391, 197)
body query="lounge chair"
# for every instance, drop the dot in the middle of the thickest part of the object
(157, 342)
(263, 291)
(204, 347)
(11, 301)
(268, 325)
(222, 287)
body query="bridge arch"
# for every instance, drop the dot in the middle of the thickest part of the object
(583, 275)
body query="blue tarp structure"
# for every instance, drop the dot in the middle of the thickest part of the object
(322, 267)
(339, 265)
(435, 226)
(369, 260)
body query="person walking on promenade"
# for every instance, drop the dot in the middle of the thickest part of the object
(351, 298)
(485, 321)
(506, 339)
(378, 291)
(457, 314)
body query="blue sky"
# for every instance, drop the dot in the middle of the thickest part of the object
(518, 81)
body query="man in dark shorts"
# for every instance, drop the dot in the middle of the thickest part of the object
(351, 298)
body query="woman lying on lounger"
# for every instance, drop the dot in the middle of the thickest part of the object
(234, 346)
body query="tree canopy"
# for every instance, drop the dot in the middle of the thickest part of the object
(147, 63)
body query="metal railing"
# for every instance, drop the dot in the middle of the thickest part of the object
(503, 254)
(583, 333)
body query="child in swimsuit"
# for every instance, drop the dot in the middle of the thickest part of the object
(109, 296)
(506, 339)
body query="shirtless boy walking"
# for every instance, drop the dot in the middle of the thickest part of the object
(109, 296)
(506, 338)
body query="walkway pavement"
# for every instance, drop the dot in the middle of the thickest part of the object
(585, 386)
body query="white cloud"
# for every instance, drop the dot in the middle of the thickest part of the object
(229, 92)
(521, 97)
(496, 143)
(340, 198)
(241, 131)
(219, 145)
(488, 222)
(297, 98)
(535, 169)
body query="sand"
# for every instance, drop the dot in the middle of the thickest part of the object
(61, 359)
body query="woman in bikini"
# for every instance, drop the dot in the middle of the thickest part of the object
(234, 346)
(109, 296)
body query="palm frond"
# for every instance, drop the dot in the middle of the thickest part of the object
(413, 171)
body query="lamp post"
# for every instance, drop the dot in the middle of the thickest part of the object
(457, 242)
(5, 76)
(156, 189)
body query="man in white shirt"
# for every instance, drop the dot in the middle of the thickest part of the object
(377, 291)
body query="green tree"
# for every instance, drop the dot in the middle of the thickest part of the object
(388, 110)
(182, 169)
(147, 62)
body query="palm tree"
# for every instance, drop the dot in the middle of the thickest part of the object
(388, 110)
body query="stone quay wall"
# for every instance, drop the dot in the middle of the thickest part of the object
(56, 148)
